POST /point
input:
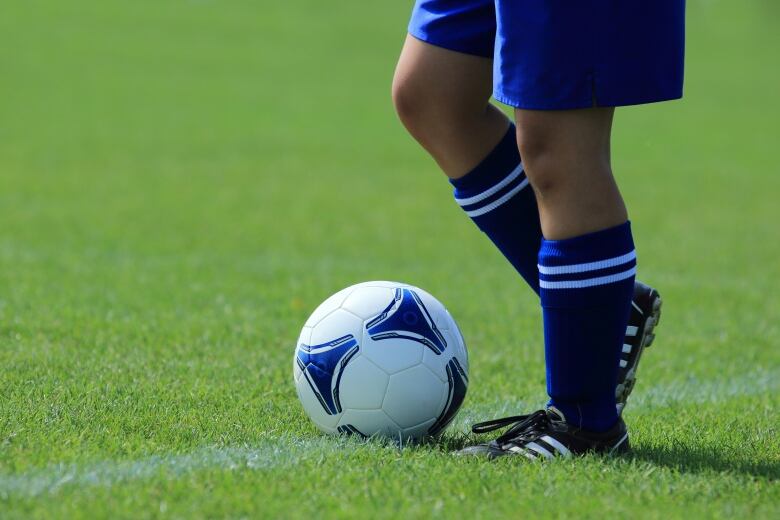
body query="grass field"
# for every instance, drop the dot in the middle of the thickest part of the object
(182, 182)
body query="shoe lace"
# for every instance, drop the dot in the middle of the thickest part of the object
(522, 427)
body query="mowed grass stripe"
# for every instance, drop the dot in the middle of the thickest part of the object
(286, 451)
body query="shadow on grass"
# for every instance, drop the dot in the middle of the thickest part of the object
(677, 457)
(692, 459)
(451, 442)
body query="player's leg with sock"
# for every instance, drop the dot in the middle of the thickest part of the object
(587, 261)
(443, 98)
(586, 265)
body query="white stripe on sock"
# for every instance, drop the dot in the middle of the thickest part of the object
(496, 203)
(589, 282)
(589, 266)
(494, 189)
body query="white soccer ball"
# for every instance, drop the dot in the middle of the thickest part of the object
(381, 358)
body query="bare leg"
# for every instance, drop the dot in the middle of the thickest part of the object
(567, 159)
(443, 99)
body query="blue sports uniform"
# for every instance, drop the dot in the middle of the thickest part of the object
(565, 54)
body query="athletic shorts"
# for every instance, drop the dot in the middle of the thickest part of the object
(565, 54)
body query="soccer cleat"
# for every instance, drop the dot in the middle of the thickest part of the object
(645, 314)
(545, 434)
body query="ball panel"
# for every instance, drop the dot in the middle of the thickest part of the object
(363, 385)
(370, 422)
(368, 301)
(392, 355)
(305, 335)
(413, 396)
(314, 408)
(328, 306)
(419, 431)
(457, 335)
(335, 325)
(437, 363)
(457, 384)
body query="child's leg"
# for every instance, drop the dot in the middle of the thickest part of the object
(443, 99)
(586, 262)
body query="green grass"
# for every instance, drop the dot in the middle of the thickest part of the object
(181, 183)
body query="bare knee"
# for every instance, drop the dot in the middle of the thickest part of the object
(442, 97)
(412, 102)
(559, 155)
(431, 114)
(566, 158)
(543, 161)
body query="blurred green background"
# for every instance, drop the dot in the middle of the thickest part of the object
(182, 182)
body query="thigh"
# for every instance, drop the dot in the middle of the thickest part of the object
(560, 54)
(443, 98)
(442, 77)
(570, 137)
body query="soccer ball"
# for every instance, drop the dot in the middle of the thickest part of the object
(381, 359)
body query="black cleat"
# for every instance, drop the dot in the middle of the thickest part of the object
(645, 314)
(545, 434)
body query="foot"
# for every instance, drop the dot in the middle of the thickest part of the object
(645, 314)
(545, 434)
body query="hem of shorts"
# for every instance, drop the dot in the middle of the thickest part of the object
(454, 48)
(517, 102)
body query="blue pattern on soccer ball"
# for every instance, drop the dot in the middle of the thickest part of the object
(348, 429)
(457, 382)
(321, 363)
(406, 317)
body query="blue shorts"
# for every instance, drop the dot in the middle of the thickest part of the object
(565, 54)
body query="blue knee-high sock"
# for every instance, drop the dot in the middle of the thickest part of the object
(586, 288)
(497, 197)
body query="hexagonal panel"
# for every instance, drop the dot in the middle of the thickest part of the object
(368, 301)
(456, 349)
(394, 354)
(370, 422)
(335, 325)
(314, 409)
(329, 305)
(437, 363)
(305, 336)
(419, 431)
(414, 396)
(362, 385)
